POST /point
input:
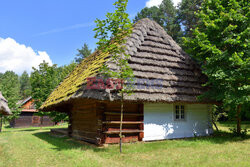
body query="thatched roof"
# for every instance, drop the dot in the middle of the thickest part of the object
(154, 56)
(4, 109)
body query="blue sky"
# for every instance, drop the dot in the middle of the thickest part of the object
(53, 29)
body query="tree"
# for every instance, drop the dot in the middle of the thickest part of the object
(186, 15)
(221, 45)
(169, 14)
(43, 82)
(165, 15)
(25, 86)
(83, 53)
(152, 13)
(10, 88)
(112, 33)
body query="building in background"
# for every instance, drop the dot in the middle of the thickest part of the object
(28, 117)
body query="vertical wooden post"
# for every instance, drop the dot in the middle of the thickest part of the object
(100, 110)
(70, 124)
(121, 122)
(141, 126)
(1, 123)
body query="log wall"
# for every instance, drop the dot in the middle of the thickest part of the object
(28, 119)
(109, 122)
(99, 122)
(83, 121)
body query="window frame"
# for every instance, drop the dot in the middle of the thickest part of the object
(179, 112)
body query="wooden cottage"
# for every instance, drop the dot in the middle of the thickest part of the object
(4, 109)
(28, 117)
(164, 104)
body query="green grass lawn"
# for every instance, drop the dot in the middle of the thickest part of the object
(36, 147)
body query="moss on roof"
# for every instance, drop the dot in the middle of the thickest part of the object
(89, 67)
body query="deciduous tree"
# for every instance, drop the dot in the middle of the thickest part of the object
(10, 88)
(221, 45)
(111, 33)
(43, 82)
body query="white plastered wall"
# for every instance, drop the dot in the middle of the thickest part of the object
(159, 122)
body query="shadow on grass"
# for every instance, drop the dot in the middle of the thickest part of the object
(8, 129)
(65, 143)
(220, 137)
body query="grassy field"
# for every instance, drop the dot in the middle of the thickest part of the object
(32, 147)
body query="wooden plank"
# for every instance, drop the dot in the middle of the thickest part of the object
(123, 131)
(112, 140)
(129, 114)
(87, 139)
(124, 122)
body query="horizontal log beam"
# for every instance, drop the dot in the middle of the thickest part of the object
(124, 122)
(117, 113)
(123, 131)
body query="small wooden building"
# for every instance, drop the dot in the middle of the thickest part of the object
(164, 104)
(4, 109)
(28, 117)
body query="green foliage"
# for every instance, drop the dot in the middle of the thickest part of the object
(44, 80)
(152, 13)
(243, 132)
(10, 88)
(245, 114)
(112, 33)
(221, 46)
(169, 17)
(83, 53)
(186, 15)
(25, 86)
(165, 15)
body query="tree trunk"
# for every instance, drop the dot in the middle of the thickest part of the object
(238, 119)
(215, 126)
(121, 122)
(213, 122)
(1, 123)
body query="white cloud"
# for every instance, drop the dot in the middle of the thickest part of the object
(18, 57)
(176, 2)
(151, 3)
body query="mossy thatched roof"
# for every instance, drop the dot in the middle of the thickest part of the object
(4, 109)
(154, 55)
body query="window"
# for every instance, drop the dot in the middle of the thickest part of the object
(179, 112)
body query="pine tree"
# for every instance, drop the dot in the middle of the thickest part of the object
(83, 53)
(25, 86)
